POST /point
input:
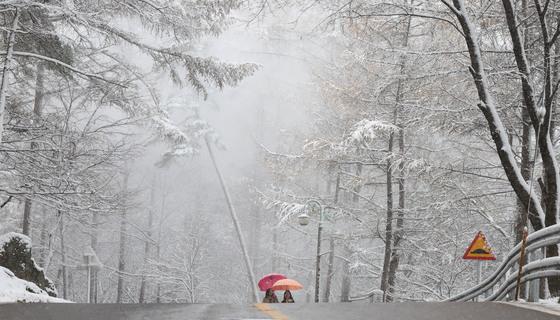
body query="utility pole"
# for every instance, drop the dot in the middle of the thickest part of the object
(233, 214)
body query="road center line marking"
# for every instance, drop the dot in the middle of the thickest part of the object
(267, 309)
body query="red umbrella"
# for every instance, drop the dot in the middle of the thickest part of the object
(267, 281)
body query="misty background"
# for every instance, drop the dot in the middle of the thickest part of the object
(368, 108)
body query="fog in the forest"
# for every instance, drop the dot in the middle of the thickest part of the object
(178, 151)
(267, 111)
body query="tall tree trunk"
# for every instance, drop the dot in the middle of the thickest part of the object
(255, 241)
(63, 256)
(158, 244)
(346, 280)
(44, 240)
(553, 123)
(389, 221)
(147, 243)
(330, 270)
(122, 245)
(233, 213)
(526, 166)
(37, 112)
(330, 261)
(550, 180)
(48, 252)
(358, 188)
(398, 233)
(274, 260)
(26, 225)
(93, 243)
(158, 285)
(5, 82)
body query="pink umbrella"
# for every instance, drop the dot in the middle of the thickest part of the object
(287, 284)
(267, 281)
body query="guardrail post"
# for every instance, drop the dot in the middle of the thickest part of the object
(543, 290)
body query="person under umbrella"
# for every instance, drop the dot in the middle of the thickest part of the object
(270, 296)
(288, 297)
(287, 284)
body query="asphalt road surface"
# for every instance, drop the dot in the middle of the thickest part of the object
(301, 311)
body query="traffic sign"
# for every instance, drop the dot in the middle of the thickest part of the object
(479, 249)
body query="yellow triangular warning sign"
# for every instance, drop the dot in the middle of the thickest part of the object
(479, 249)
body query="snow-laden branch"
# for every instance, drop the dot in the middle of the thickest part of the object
(62, 64)
(489, 109)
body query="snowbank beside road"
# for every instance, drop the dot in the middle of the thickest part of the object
(14, 289)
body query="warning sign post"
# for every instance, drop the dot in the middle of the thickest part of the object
(479, 250)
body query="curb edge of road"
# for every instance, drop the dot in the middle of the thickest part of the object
(533, 306)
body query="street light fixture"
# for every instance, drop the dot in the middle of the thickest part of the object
(303, 220)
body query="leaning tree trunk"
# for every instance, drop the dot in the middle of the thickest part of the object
(256, 234)
(256, 212)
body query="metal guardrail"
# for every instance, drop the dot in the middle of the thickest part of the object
(504, 279)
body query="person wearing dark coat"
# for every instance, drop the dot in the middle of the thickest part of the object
(288, 297)
(270, 297)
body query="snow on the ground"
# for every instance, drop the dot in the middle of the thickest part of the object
(14, 289)
(550, 306)
(551, 303)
